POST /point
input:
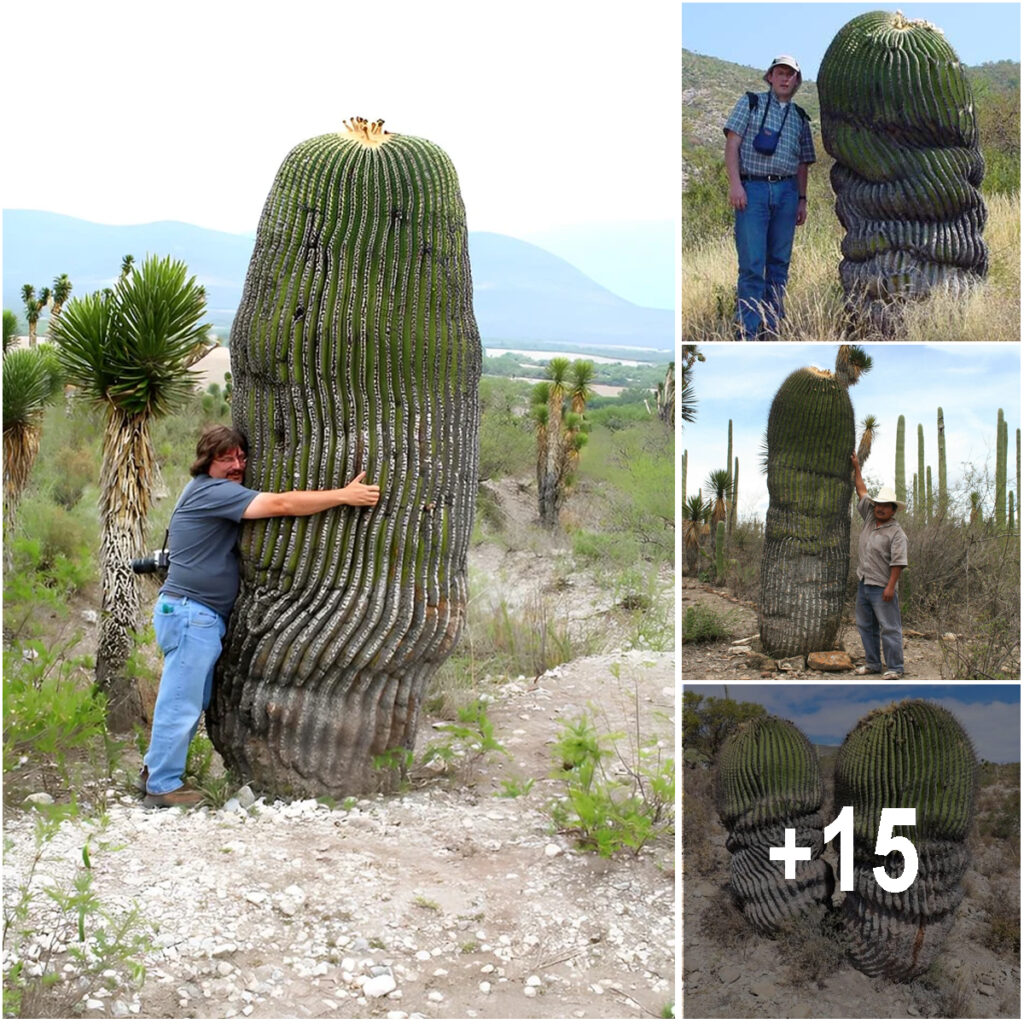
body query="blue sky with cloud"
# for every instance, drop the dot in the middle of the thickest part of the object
(969, 381)
(827, 712)
(752, 33)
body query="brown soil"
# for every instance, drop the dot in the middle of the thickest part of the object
(922, 655)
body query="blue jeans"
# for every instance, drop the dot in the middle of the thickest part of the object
(878, 618)
(764, 243)
(190, 636)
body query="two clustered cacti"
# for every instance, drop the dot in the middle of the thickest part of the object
(898, 117)
(910, 754)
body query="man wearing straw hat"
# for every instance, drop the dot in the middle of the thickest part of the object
(768, 148)
(881, 557)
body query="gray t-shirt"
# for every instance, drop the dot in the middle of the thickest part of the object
(879, 548)
(204, 542)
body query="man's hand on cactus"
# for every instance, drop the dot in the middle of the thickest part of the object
(358, 493)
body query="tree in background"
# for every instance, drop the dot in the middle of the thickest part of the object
(61, 292)
(33, 308)
(558, 413)
(31, 381)
(128, 350)
(708, 721)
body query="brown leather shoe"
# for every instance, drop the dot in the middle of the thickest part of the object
(183, 796)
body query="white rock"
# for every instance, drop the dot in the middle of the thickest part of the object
(435, 997)
(380, 986)
(256, 896)
(552, 850)
(533, 981)
(529, 991)
(90, 616)
(246, 797)
(485, 987)
(41, 799)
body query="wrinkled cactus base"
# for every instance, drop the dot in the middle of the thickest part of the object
(899, 935)
(345, 739)
(770, 901)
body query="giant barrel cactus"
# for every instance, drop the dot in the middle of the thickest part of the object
(912, 754)
(769, 780)
(806, 554)
(898, 117)
(354, 348)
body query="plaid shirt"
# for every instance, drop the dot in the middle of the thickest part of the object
(795, 144)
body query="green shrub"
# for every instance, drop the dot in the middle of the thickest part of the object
(701, 623)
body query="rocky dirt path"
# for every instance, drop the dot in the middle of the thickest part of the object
(441, 902)
(717, 660)
(447, 900)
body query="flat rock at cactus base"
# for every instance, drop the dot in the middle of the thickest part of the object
(976, 974)
(717, 659)
(830, 661)
(467, 900)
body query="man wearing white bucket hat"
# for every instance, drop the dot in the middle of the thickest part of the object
(881, 557)
(768, 148)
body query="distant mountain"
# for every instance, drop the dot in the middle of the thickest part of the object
(521, 292)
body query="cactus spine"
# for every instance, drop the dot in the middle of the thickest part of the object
(769, 780)
(898, 116)
(354, 348)
(1001, 452)
(901, 466)
(806, 556)
(911, 754)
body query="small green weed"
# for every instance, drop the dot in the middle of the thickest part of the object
(513, 788)
(702, 623)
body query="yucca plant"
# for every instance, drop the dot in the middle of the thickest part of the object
(10, 329)
(128, 351)
(31, 381)
(354, 349)
(34, 307)
(696, 514)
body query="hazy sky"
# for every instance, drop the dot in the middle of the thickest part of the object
(553, 113)
(969, 381)
(752, 34)
(827, 712)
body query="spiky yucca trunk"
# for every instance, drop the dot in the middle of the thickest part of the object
(898, 117)
(354, 348)
(125, 487)
(911, 754)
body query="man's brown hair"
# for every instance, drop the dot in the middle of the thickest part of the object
(214, 442)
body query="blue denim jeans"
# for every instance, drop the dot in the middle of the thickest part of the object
(190, 636)
(764, 243)
(878, 618)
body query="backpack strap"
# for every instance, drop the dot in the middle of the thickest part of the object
(752, 100)
(803, 113)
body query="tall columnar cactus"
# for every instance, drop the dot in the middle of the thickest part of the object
(943, 500)
(920, 506)
(898, 117)
(720, 552)
(911, 754)
(810, 439)
(354, 348)
(769, 780)
(736, 491)
(928, 506)
(901, 462)
(728, 466)
(1002, 441)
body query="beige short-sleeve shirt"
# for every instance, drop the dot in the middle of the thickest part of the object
(879, 547)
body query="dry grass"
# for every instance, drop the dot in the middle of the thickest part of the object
(814, 302)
